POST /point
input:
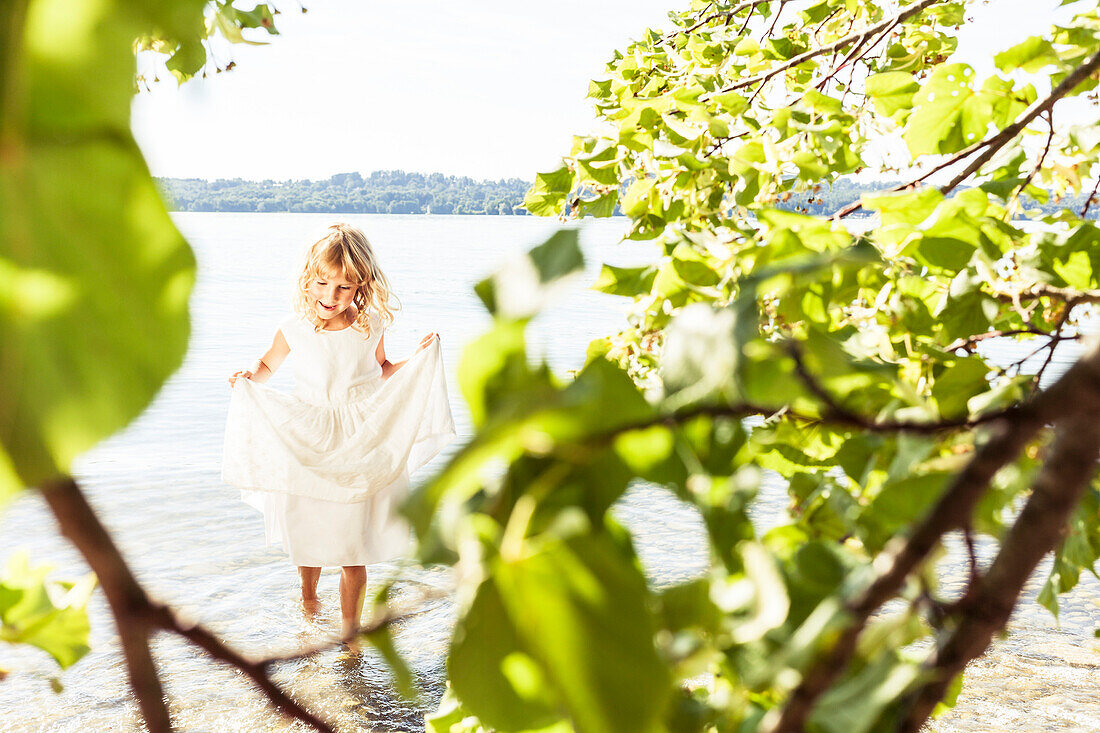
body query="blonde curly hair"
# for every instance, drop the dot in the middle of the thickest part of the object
(344, 249)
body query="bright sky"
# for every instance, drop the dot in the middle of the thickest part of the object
(488, 89)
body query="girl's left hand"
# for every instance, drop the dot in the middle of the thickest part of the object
(427, 340)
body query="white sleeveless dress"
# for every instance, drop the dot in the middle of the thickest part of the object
(329, 464)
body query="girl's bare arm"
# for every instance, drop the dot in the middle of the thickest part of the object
(389, 367)
(266, 365)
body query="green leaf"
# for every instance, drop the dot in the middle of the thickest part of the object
(960, 381)
(636, 199)
(900, 503)
(628, 281)
(450, 716)
(649, 454)
(731, 103)
(29, 616)
(581, 609)
(187, 60)
(525, 284)
(892, 91)
(94, 275)
(548, 194)
(382, 640)
(494, 368)
(519, 420)
(854, 705)
(756, 602)
(688, 605)
(490, 672)
(695, 271)
(259, 17)
(1029, 55)
(1079, 550)
(1076, 270)
(905, 207)
(947, 114)
(703, 352)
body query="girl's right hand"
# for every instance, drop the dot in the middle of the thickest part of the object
(244, 374)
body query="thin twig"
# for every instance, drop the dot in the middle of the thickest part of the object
(970, 342)
(775, 19)
(201, 637)
(834, 46)
(1019, 363)
(1043, 290)
(1090, 199)
(1067, 309)
(826, 19)
(856, 49)
(971, 554)
(838, 417)
(993, 143)
(858, 203)
(836, 412)
(726, 14)
(1039, 163)
(745, 25)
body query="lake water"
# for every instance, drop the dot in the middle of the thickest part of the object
(195, 546)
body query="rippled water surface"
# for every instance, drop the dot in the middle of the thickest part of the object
(195, 546)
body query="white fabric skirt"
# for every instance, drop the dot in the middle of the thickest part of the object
(318, 533)
(329, 474)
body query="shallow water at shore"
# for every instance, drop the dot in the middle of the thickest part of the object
(196, 547)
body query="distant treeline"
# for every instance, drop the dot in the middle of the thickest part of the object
(398, 192)
(380, 192)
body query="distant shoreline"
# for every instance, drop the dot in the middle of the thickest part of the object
(399, 192)
(380, 192)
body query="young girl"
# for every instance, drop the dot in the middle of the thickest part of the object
(329, 464)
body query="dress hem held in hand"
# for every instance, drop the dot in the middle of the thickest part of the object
(347, 451)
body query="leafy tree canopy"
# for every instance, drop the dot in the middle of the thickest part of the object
(846, 359)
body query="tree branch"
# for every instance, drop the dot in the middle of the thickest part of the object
(136, 615)
(775, 19)
(994, 142)
(1057, 490)
(858, 204)
(126, 597)
(836, 412)
(837, 417)
(257, 671)
(1002, 138)
(1067, 309)
(952, 511)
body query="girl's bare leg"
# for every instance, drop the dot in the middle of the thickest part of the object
(309, 577)
(353, 580)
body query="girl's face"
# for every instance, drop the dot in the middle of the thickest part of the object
(331, 294)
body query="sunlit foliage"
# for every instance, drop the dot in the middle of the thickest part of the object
(94, 277)
(845, 357)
